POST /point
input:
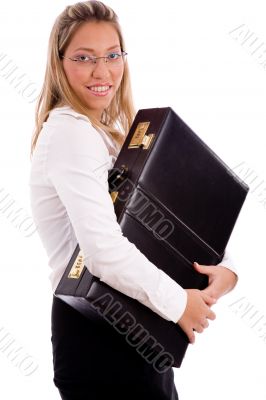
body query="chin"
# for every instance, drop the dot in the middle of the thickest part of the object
(98, 105)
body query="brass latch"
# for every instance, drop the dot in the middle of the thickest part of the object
(147, 140)
(77, 267)
(114, 196)
(139, 138)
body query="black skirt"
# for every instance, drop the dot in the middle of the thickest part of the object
(92, 361)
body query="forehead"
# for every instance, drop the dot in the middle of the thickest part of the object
(97, 36)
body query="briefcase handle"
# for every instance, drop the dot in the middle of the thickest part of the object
(116, 176)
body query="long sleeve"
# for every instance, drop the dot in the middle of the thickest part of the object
(229, 262)
(77, 166)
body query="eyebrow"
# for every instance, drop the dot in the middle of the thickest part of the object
(88, 49)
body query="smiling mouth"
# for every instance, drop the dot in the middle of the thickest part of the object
(99, 89)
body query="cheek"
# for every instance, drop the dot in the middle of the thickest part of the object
(74, 75)
(117, 76)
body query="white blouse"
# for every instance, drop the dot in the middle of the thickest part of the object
(71, 204)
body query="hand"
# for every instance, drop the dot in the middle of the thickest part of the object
(221, 279)
(196, 313)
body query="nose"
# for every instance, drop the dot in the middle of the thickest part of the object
(100, 69)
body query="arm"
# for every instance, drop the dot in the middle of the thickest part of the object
(77, 166)
(222, 277)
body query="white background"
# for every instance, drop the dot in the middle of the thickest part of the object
(181, 55)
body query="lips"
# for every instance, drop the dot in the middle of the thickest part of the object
(99, 88)
(102, 89)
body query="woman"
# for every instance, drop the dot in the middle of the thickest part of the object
(85, 109)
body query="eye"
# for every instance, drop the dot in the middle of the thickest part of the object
(83, 58)
(113, 56)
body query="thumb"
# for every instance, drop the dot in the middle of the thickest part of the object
(203, 269)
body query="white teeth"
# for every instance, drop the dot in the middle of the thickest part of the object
(99, 88)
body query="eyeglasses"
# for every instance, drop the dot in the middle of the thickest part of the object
(113, 59)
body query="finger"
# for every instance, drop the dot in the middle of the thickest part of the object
(211, 315)
(205, 323)
(213, 290)
(191, 336)
(210, 291)
(203, 269)
(207, 298)
(198, 328)
(189, 332)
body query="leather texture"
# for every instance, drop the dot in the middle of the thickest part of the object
(178, 202)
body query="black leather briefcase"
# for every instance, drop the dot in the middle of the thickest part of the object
(178, 202)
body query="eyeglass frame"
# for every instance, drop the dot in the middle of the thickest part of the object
(93, 58)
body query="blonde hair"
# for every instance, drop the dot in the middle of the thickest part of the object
(56, 91)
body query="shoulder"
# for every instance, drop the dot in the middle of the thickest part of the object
(71, 132)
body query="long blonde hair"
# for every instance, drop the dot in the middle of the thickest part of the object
(56, 91)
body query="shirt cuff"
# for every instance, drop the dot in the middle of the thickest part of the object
(170, 298)
(228, 262)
